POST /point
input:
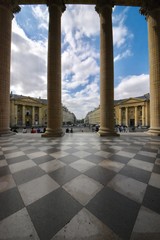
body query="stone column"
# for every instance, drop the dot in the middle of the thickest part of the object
(135, 116)
(146, 114)
(106, 70)
(127, 116)
(16, 115)
(23, 115)
(120, 116)
(54, 122)
(154, 55)
(152, 13)
(33, 115)
(40, 116)
(6, 15)
(143, 116)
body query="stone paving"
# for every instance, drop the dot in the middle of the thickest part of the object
(80, 187)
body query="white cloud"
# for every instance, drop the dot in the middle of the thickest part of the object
(28, 64)
(122, 55)
(80, 56)
(132, 86)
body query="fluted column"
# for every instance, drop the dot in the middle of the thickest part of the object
(127, 116)
(106, 70)
(6, 15)
(152, 13)
(135, 116)
(23, 115)
(16, 110)
(54, 122)
(120, 116)
(33, 115)
(154, 55)
(143, 116)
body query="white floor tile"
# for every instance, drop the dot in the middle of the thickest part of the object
(37, 188)
(16, 167)
(87, 225)
(51, 166)
(129, 187)
(112, 165)
(83, 188)
(141, 164)
(82, 165)
(155, 180)
(18, 226)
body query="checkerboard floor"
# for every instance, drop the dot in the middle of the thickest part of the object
(79, 187)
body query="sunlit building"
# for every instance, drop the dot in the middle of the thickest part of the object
(134, 111)
(28, 111)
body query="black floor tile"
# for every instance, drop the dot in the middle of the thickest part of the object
(148, 149)
(100, 174)
(51, 150)
(130, 150)
(11, 151)
(116, 211)
(64, 175)
(136, 173)
(119, 158)
(156, 168)
(28, 151)
(145, 158)
(10, 202)
(53, 212)
(69, 159)
(71, 150)
(17, 159)
(94, 158)
(43, 159)
(4, 171)
(28, 175)
(152, 199)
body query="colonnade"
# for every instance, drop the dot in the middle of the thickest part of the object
(56, 8)
(136, 116)
(20, 117)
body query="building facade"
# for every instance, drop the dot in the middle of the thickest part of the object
(128, 112)
(28, 111)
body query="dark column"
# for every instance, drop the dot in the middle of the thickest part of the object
(106, 70)
(54, 122)
(6, 15)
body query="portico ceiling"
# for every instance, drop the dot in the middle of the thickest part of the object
(115, 2)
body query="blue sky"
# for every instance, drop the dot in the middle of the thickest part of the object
(80, 55)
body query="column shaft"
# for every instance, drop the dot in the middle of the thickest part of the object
(106, 72)
(120, 116)
(135, 116)
(154, 59)
(127, 116)
(5, 52)
(33, 115)
(23, 115)
(54, 122)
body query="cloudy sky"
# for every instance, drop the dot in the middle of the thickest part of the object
(80, 55)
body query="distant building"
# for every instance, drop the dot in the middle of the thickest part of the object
(130, 112)
(29, 111)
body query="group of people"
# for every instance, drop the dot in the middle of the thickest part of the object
(34, 130)
(121, 128)
(69, 130)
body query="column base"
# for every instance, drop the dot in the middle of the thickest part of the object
(53, 133)
(6, 133)
(154, 131)
(105, 132)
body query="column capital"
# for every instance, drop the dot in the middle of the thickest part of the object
(148, 6)
(103, 4)
(58, 3)
(12, 5)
